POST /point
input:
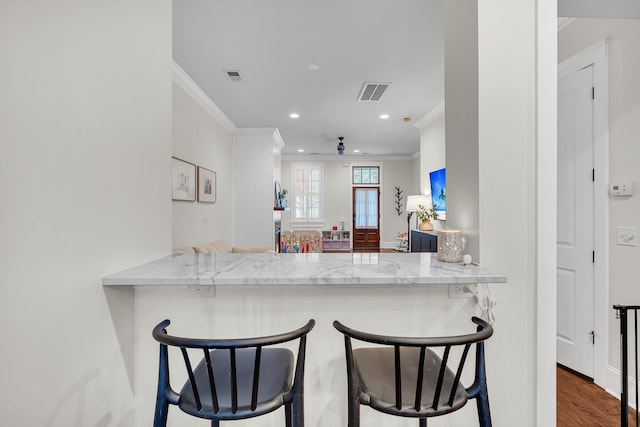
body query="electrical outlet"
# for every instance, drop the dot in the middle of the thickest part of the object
(460, 291)
(202, 291)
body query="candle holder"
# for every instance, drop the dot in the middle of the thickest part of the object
(450, 246)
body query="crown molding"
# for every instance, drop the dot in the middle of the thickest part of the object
(345, 157)
(430, 117)
(182, 79)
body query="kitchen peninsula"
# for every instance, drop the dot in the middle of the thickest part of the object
(236, 295)
(338, 269)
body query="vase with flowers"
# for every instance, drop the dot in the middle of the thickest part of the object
(425, 215)
(282, 198)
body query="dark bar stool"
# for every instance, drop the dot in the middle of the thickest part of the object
(236, 378)
(403, 376)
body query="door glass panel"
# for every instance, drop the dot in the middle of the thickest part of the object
(366, 208)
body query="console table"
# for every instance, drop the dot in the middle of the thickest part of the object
(424, 241)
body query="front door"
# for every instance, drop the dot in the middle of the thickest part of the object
(575, 271)
(366, 218)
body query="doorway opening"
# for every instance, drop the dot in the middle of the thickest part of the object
(594, 59)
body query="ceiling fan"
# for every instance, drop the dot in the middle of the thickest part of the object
(340, 146)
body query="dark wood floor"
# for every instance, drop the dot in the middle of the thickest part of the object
(582, 403)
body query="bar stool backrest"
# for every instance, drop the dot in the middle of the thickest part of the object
(419, 374)
(217, 387)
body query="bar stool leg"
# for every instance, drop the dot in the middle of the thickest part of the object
(297, 412)
(423, 422)
(162, 408)
(288, 415)
(482, 398)
(484, 414)
(354, 412)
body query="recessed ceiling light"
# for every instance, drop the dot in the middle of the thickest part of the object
(356, 151)
(294, 115)
(313, 67)
(300, 150)
(384, 116)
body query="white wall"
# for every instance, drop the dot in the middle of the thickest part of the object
(432, 155)
(199, 138)
(85, 130)
(416, 173)
(461, 109)
(432, 151)
(599, 9)
(507, 211)
(397, 173)
(624, 147)
(338, 193)
(507, 205)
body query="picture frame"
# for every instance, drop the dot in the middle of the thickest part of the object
(206, 185)
(183, 181)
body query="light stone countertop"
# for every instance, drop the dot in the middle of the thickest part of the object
(311, 269)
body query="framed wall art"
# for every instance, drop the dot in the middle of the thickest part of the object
(206, 185)
(183, 180)
(438, 181)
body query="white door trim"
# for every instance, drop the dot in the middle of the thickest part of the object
(597, 55)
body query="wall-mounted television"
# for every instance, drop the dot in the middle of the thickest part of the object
(439, 192)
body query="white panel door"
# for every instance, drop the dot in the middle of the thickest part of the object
(575, 222)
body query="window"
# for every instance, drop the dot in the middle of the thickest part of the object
(307, 192)
(366, 175)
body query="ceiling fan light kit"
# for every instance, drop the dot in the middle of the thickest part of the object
(340, 146)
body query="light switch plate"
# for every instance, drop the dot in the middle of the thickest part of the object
(627, 236)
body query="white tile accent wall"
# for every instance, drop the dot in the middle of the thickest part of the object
(256, 157)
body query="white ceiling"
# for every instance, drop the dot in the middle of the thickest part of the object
(272, 43)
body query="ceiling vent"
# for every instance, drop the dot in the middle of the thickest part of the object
(372, 92)
(233, 75)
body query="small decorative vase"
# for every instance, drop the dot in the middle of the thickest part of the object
(425, 226)
(450, 246)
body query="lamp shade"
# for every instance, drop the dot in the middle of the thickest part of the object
(414, 201)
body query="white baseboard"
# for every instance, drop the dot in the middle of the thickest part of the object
(613, 386)
(389, 245)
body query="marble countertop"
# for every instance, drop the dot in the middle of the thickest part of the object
(337, 269)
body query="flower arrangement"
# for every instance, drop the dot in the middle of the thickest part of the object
(425, 214)
(282, 198)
